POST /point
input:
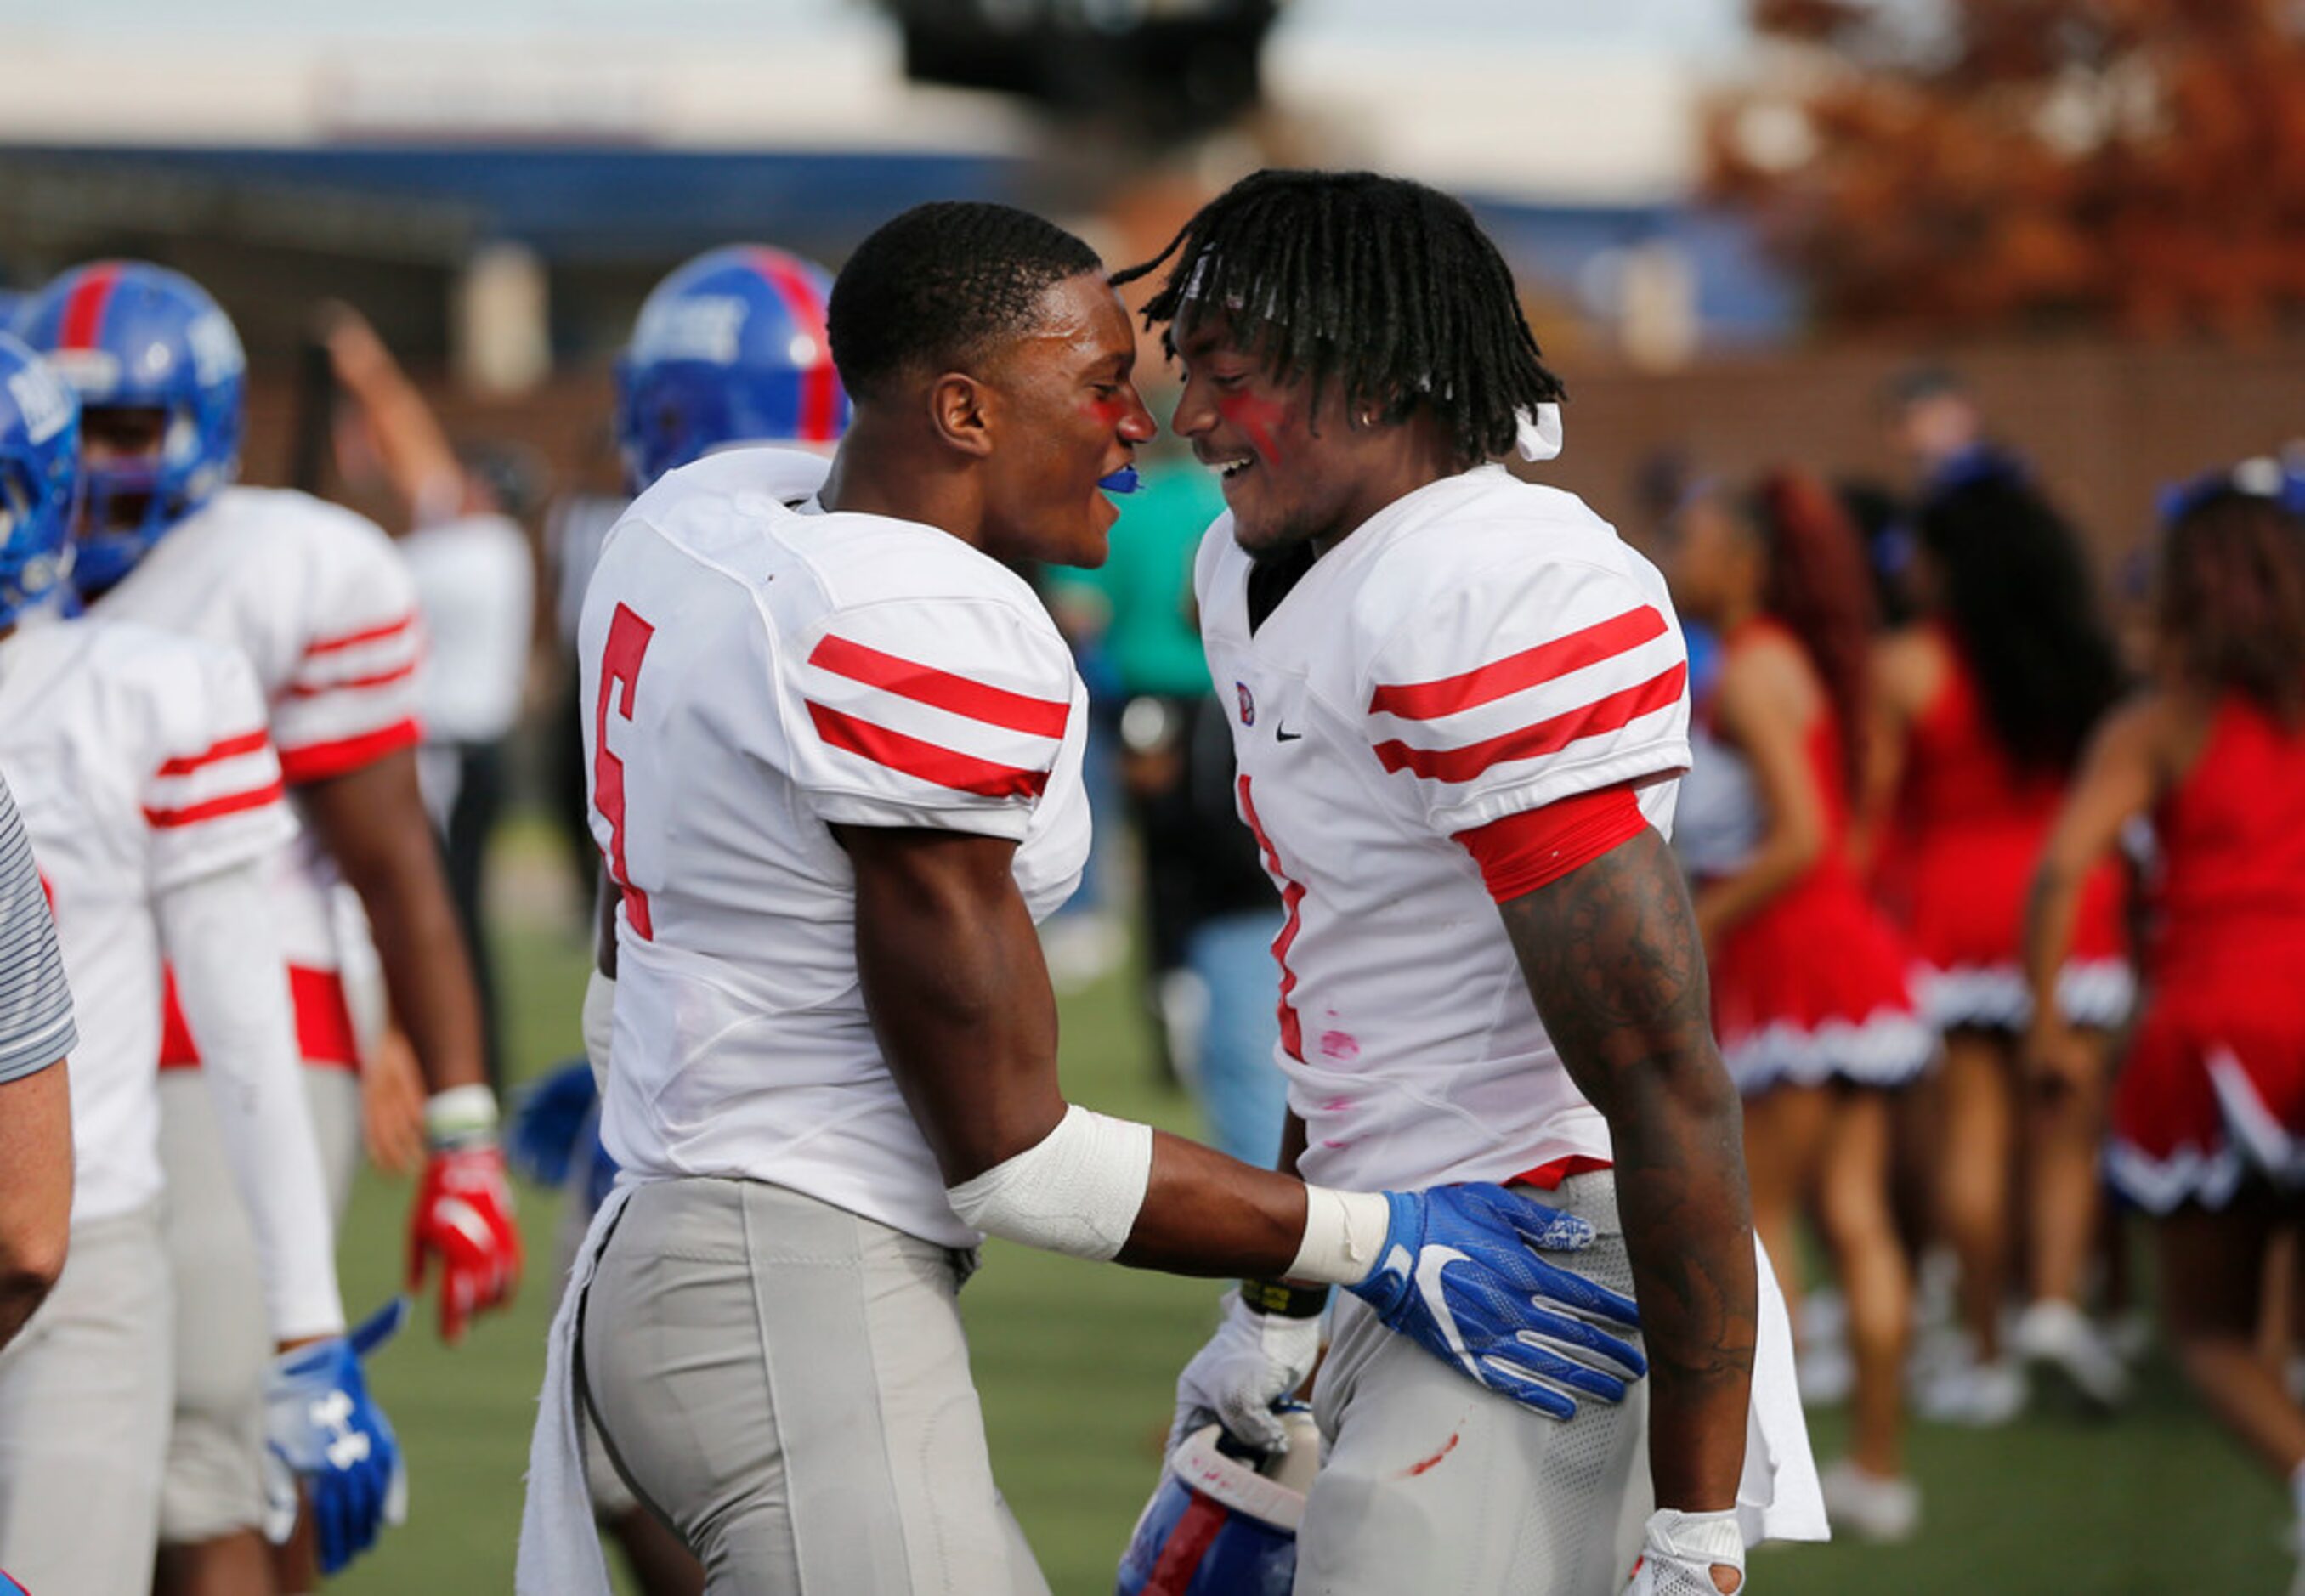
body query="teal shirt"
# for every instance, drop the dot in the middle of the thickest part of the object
(1153, 638)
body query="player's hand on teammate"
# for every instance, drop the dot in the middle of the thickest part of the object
(1463, 1272)
(464, 1213)
(1689, 1554)
(322, 1427)
(1255, 1360)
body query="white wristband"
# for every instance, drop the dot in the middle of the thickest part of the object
(460, 1116)
(1342, 1233)
(1077, 1191)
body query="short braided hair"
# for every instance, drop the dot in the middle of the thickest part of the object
(936, 286)
(1384, 285)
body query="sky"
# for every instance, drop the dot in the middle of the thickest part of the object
(1675, 27)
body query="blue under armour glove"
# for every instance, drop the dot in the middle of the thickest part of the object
(1461, 1274)
(321, 1427)
(549, 1121)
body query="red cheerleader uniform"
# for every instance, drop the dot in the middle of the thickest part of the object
(1812, 986)
(2215, 1084)
(1972, 826)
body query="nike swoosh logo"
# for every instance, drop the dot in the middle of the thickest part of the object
(1281, 733)
(1430, 1262)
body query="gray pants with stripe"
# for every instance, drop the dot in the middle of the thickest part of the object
(1432, 1484)
(785, 1385)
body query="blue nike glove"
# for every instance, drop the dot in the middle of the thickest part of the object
(321, 1427)
(550, 1120)
(1461, 1273)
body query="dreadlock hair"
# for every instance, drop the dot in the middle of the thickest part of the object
(935, 287)
(1386, 287)
(2018, 599)
(2231, 601)
(1820, 587)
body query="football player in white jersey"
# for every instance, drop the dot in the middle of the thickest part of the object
(1449, 687)
(319, 603)
(836, 759)
(152, 799)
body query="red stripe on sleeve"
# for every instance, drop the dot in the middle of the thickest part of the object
(398, 673)
(1537, 846)
(1426, 700)
(231, 804)
(941, 690)
(318, 761)
(353, 640)
(820, 384)
(83, 317)
(225, 749)
(1536, 740)
(962, 772)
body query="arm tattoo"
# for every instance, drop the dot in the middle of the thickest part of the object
(1611, 956)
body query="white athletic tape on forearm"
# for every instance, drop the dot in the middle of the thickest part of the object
(599, 1026)
(1077, 1191)
(1342, 1232)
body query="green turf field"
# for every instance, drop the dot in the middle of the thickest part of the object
(1075, 1364)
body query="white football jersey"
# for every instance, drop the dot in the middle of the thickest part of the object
(754, 672)
(139, 762)
(319, 602)
(1481, 648)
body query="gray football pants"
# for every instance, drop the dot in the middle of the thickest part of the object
(1432, 1484)
(785, 1385)
(83, 1416)
(214, 1483)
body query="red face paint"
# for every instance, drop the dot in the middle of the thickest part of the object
(1257, 420)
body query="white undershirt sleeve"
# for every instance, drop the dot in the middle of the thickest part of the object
(216, 931)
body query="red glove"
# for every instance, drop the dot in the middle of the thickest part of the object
(464, 1215)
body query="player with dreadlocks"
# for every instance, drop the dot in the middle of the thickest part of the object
(2208, 1118)
(1460, 708)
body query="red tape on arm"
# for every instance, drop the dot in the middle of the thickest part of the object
(1537, 847)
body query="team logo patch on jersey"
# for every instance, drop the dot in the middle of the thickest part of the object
(1247, 703)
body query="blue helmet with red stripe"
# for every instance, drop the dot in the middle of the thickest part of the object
(730, 348)
(129, 336)
(40, 478)
(1222, 1524)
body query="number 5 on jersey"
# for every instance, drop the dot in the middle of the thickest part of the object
(620, 677)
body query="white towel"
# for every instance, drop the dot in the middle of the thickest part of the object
(559, 1544)
(1779, 1498)
(1537, 435)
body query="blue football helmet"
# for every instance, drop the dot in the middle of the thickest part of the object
(129, 336)
(1224, 1522)
(40, 478)
(730, 348)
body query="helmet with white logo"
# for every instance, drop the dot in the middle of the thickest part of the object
(730, 348)
(129, 336)
(40, 478)
(1222, 1522)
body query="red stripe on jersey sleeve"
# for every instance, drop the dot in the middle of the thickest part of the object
(1604, 640)
(1537, 846)
(353, 640)
(398, 673)
(231, 804)
(222, 748)
(1538, 739)
(1292, 899)
(318, 761)
(941, 690)
(909, 756)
